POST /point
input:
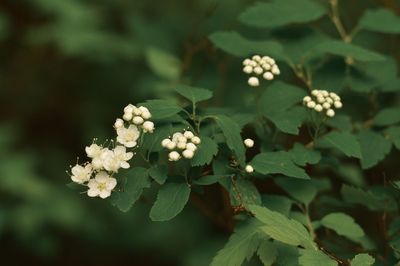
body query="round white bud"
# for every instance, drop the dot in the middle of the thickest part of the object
(256, 57)
(311, 104)
(129, 108)
(181, 145)
(249, 169)
(338, 104)
(275, 70)
(119, 123)
(326, 105)
(191, 146)
(146, 115)
(266, 58)
(182, 139)
(174, 156)
(176, 136)
(258, 70)
(138, 120)
(253, 81)
(136, 111)
(329, 100)
(196, 140)
(127, 116)
(318, 108)
(170, 145)
(246, 62)
(253, 63)
(188, 134)
(249, 143)
(165, 142)
(266, 66)
(188, 154)
(320, 99)
(324, 93)
(330, 113)
(148, 126)
(248, 69)
(315, 92)
(143, 109)
(307, 99)
(268, 76)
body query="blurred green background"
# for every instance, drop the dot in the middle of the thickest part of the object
(67, 68)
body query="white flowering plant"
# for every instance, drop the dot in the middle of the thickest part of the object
(291, 164)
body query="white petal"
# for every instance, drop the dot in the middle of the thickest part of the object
(111, 183)
(105, 194)
(93, 192)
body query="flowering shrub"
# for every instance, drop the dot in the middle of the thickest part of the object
(303, 134)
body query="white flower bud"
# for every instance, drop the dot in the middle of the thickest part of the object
(325, 93)
(188, 134)
(196, 140)
(258, 70)
(129, 108)
(176, 136)
(256, 58)
(174, 156)
(268, 76)
(249, 143)
(253, 81)
(146, 115)
(171, 145)
(182, 139)
(249, 169)
(314, 92)
(338, 104)
(127, 116)
(329, 100)
(181, 145)
(311, 104)
(148, 126)
(138, 120)
(119, 123)
(248, 69)
(266, 66)
(318, 108)
(188, 154)
(246, 62)
(307, 99)
(330, 113)
(253, 63)
(275, 70)
(191, 146)
(137, 111)
(320, 99)
(326, 105)
(271, 61)
(165, 142)
(266, 58)
(143, 109)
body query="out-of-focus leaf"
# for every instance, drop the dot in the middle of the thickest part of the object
(303, 156)
(362, 260)
(387, 117)
(343, 225)
(267, 253)
(343, 141)
(161, 109)
(374, 148)
(194, 94)
(380, 20)
(244, 192)
(159, 173)
(205, 152)
(163, 63)
(393, 134)
(315, 258)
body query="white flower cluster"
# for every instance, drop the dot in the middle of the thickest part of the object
(322, 100)
(181, 145)
(260, 66)
(104, 162)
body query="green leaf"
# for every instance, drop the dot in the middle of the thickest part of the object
(343, 141)
(241, 246)
(341, 122)
(365, 198)
(277, 163)
(171, 200)
(159, 173)
(267, 253)
(137, 180)
(374, 148)
(301, 190)
(315, 258)
(362, 260)
(209, 179)
(290, 120)
(303, 156)
(277, 13)
(340, 48)
(194, 94)
(380, 20)
(283, 229)
(387, 117)
(205, 152)
(233, 43)
(163, 63)
(277, 203)
(393, 134)
(231, 131)
(244, 191)
(161, 109)
(343, 225)
(152, 142)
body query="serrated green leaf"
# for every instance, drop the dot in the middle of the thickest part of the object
(387, 117)
(267, 253)
(277, 13)
(163, 63)
(137, 180)
(171, 200)
(374, 148)
(343, 225)
(315, 258)
(159, 173)
(393, 134)
(209, 179)
(161, 109)
(277, 203)
(380, 20)
(152, 142)
(362, 260)
(277, 163)
(205, 152)
(301, 190)
(340, 48)
(343, 141)
(303, 156)
(365, 198)
(290, 120)
(244, 192)
(235, 44)
(232, 131)
(241, 246)
(194, 94)
(341, 122)
(283, 229)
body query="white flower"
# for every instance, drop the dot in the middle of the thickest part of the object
(182, 139)
(138, 120)
(165, 142)
(338, 104)
(148, 126)
(311, 104)
(326, 105)
(249, 143)
(256, 57)
(128, 136)
(275, 70)
(246, 61)
(330, 113)
(322, 99)
(258, 70)
(176, 136)
(129, 109)
(119, 123)
(110, 161)
(171, 145)
(253, 81)
(101, 186)
(181, 145)
(196, 140)
(144, 109)
(266, 66)
(248, 69)
(249, 169)
(146, 115)
(314, 92)
(174, 156)
(307, 99)
(81, 174)
(188, 134)
(268, 76)
(318, 108)
(123, 156)
(191, 146)
(93, 151)
(188, 154)
(137, 111)
(127, 116)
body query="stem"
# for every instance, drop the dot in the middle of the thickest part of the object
(335, 17)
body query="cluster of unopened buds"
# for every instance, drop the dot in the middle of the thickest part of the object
(258, 66)
(323, 101)
(249, 143)
(181, 145)
(98, 173)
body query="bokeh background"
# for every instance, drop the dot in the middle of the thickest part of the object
(67, 68)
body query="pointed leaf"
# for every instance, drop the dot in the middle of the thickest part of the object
(194, 94)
